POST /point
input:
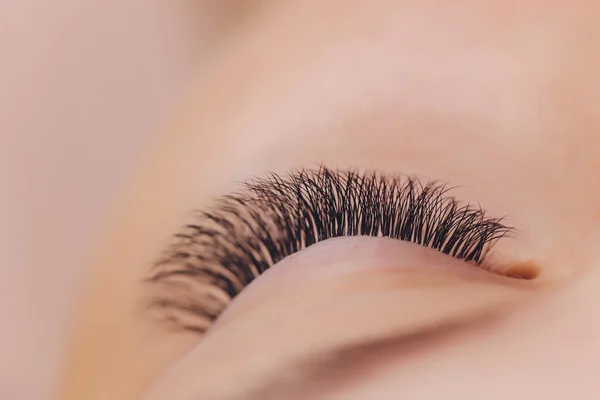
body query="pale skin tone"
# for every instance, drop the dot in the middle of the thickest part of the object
(499, 98)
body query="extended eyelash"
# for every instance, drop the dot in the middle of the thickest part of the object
(229, 246)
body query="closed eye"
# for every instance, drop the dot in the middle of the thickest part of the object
(228, 246)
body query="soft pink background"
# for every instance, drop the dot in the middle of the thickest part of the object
(84, 84)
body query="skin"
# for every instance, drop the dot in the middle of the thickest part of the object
(499, 98)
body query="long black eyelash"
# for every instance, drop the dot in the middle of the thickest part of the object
(227, 247)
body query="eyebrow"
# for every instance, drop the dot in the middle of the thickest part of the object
(324, 374)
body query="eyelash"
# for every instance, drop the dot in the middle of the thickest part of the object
(229, 246)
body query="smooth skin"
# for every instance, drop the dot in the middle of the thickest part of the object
(500, 98)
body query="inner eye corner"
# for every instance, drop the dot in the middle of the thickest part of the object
(525, 271)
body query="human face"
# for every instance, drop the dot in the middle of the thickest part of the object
(498, 99)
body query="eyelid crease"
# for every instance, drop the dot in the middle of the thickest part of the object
(245, 233)
(310, 321)
(325, 372)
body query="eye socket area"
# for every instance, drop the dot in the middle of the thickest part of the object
(337, 293)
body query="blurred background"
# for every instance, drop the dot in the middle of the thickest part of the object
(85, 86)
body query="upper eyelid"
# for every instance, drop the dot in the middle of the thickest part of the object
(247, 232)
